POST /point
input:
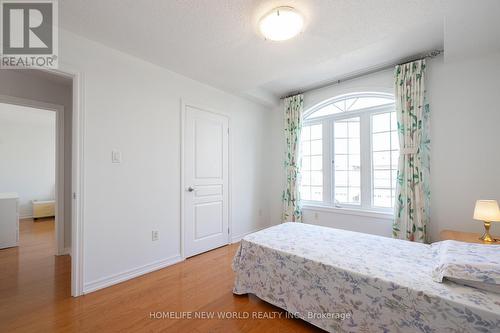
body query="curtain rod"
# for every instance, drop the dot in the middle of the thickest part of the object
(431, 54)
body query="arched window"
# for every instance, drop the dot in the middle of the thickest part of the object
(350, 152)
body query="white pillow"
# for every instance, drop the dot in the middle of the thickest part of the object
(475, 265)
(495, 288)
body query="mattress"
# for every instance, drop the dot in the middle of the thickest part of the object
(343, 281)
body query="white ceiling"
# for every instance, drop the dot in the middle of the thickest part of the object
(217, 41)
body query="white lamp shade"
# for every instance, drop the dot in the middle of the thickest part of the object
(281, 23)
(487, 210)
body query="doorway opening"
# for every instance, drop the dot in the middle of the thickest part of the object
(32, 172)
(42, 177)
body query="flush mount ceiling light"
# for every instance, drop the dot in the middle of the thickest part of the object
(281, 23)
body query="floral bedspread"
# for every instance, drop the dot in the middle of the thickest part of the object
(344, 281)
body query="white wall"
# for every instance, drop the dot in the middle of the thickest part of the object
(465, 138)
(463, 92)
(28, 154)
(28, 84)
(134, 106)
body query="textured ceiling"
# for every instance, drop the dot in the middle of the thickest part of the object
(216, 41)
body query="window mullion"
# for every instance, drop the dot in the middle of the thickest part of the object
(366, 169)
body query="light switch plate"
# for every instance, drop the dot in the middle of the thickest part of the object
(116, 156)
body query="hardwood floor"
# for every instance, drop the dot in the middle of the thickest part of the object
(35, 295)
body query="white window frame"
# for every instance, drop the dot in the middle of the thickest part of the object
(366, 186)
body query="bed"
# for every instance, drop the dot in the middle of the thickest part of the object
(343, 281)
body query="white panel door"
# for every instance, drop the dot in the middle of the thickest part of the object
(206, 174)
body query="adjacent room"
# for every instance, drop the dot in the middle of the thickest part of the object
(250, 166)
(28, 168)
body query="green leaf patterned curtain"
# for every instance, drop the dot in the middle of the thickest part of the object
(292, 208)
(412, 190)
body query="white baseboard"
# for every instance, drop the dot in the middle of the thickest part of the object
(8, 244)
(23, 217)
(238, 238)
(129, 274)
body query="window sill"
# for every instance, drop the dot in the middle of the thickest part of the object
(349, 211)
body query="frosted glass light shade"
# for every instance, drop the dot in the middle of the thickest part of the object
(487, 210)
(281, 23)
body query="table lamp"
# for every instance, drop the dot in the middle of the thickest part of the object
(487, 211)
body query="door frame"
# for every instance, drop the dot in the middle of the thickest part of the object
(183, 105)
(77, 173)
(59, 162)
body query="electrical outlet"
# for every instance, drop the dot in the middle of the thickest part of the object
(260, 212)
(316, 216)
(155, 235)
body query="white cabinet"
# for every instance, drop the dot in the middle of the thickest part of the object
(9, 220)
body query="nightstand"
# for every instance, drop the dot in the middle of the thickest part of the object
(461, 236)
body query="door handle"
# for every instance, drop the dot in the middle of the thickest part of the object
(190, 189)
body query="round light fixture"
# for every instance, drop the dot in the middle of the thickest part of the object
(281, 23)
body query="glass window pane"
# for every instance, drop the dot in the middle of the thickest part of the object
(316, 193)
(354, 162)
(341, 162)
(382, 198)
(385, 148)
(316, 178)
(381, 141)
(354, 146)
(354, 195)
(306, 163)
(305, 192)
(340, 194)
(394, 176)
(368, 102)
(306, 148)
(349, 103)
(341, 178)
(382, 179)
(340, 105)
(394, 122)
(353, 127)
(316, 163)
(394, 159)
(306, 133)
(316, 147)
(354, 178)
(340, 146)
(340, 129)
(348, 146)
(316, 132)
(312, 165)
(324, 111)
(381, 122)
(382, 160)
(394, 140)
(306, 177)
